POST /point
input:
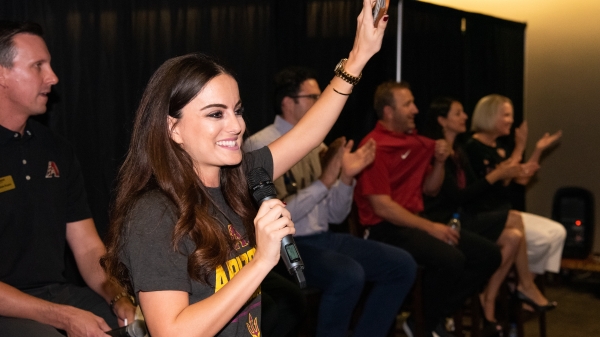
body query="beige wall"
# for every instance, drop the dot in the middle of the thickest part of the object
(562, 89)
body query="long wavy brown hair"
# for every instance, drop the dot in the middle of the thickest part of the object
(155, 162)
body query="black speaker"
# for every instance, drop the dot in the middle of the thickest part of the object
(573, 207)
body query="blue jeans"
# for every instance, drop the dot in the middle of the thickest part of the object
(283, 306)
(339, 265)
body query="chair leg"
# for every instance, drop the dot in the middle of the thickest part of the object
(418, 305)
(471, 309)
(520, 320)
(541, 284)
(458, 323)
(542, 324)
(475, 316)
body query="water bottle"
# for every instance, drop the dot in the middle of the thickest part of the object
(454, 223)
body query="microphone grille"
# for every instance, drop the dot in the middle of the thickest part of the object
(260, 184)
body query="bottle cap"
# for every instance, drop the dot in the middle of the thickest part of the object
(456, 216)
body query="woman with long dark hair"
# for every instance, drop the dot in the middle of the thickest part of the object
(462, 190)
(183, 224)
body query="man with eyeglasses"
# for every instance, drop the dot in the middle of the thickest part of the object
(318, 190)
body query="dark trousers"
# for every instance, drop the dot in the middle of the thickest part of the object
(339, 265)
(283, 306)
(451, 274)
(80, 297)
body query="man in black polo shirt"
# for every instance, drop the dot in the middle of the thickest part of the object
(43, 207)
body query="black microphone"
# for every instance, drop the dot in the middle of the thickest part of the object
(136, 329)
(262, 189)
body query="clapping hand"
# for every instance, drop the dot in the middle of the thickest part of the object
(331, 162)
(528, 169)
(442, 150)
(354, 162)
(509, 169)
(547, 140)
(521, 135)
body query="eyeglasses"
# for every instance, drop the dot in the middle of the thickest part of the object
(311, 96)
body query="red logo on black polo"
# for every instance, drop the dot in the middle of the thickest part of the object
(52, 171)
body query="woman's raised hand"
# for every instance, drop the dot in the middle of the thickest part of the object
(547, 140)
(272, 223)
(368, 38)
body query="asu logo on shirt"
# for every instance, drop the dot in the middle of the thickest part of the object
(240, 242)
(226, 272)
(252, 326)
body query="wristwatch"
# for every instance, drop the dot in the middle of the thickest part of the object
(341, 73)
(118, 297)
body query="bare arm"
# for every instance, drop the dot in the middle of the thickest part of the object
(507, 169)
(77, 322)
(520, 142)
(542, 144)
(533, 164)
(434, 180)
(314, 126)
(387, 209)
(168, 313)
(88, 249)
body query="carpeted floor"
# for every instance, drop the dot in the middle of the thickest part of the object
(578, 311)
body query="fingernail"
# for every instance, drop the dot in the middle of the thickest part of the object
(284, 203)
(386, 17)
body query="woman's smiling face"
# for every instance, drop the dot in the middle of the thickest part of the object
(211, 127)
(504, 119)
(455, 121)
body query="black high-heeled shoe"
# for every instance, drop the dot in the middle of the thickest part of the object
(492, 329)
(539, 308)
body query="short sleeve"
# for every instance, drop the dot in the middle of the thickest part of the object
(259, 158)
(152, 262)
(77, 205)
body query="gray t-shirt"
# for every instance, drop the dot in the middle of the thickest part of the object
(154, 266)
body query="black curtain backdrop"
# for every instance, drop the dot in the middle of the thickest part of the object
(461, 54)
(466, 56)
(105, 51)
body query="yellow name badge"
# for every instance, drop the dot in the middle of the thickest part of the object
(6, 184)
